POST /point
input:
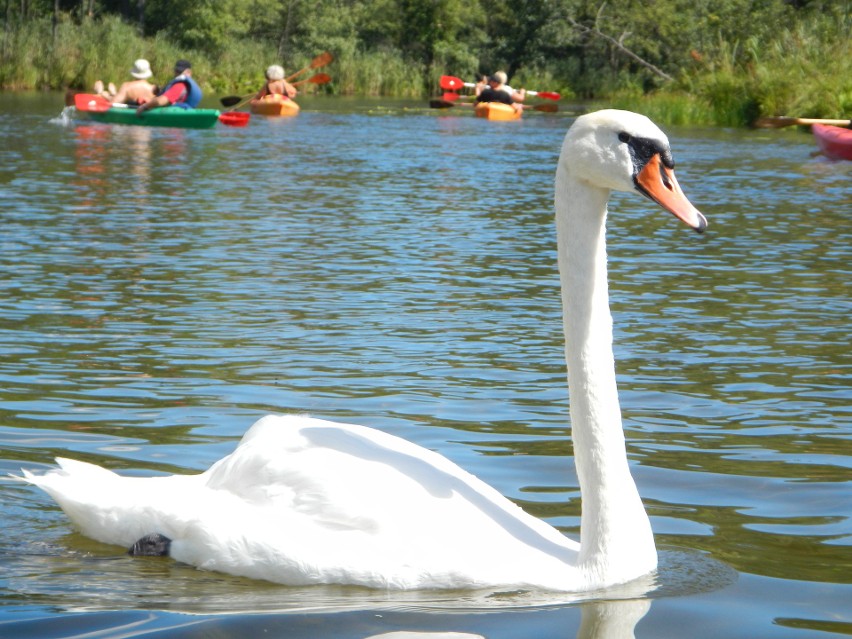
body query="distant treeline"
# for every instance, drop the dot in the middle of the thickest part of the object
(682, 61)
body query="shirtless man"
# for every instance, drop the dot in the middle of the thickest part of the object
(135, 92)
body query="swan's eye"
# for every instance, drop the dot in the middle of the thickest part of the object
(624, 137)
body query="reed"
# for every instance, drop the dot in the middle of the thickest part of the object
(803, 69)
(667, 107)
(542, 79)
(380, 73)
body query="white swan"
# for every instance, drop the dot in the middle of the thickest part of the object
(305, 501)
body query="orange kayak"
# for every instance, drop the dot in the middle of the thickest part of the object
(497, 111)
(274, 105)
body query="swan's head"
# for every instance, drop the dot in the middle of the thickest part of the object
(625, 151)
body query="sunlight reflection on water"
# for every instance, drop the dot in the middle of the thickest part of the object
(162, 290)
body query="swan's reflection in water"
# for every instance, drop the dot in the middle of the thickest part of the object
(612, 619)
(404, 634)
(600, 620)
(146, 596)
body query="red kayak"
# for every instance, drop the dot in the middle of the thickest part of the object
(834, 141)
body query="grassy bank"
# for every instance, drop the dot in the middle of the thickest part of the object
(805, 71)
(32, 58)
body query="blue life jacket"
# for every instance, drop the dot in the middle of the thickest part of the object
(193, 92)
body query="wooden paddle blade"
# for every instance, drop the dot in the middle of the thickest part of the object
(230, 100)
(91, 102)
(317, 78)
(440, 104)
(780, 121)
(321, 60)
(547, 107)
(451, 83)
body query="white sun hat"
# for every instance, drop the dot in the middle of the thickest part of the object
(141, 69)
(275, 72)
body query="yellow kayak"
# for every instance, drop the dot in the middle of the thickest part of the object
(497, 111)
(274, 105)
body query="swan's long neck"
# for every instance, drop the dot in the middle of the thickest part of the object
(615, 534)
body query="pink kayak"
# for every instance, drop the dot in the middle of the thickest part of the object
(834, 142)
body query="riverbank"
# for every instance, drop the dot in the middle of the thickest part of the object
(806, 73)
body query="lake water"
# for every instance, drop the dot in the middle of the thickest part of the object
(380, 263)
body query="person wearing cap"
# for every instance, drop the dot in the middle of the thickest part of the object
(181, 91)
(276, 84)
(136, 91)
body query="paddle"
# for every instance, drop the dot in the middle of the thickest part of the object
(317, 78)
(547, 95)
(446, 104)
(231, 100)
(320, 61)
(777, 122)
(454, 84)
(547, 107)
(91, 102)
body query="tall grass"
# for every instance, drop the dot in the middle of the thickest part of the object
(674, 108)
(31, 58)
(378, 73)
(804, 70)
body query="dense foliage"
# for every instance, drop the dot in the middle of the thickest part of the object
(722, 61)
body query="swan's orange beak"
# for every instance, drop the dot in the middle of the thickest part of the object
(658, 182)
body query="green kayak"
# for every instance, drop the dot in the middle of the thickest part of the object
(163, 116)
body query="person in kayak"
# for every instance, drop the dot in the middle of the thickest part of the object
(181, 91)
(497, 82)
(134, 92)
(481, 84)
(276, 84)
(494, 92)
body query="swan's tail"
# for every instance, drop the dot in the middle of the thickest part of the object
(67, 468)
(97, 500)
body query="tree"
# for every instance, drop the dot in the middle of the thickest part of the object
(203, 24)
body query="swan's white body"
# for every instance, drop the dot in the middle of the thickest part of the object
(305, 501)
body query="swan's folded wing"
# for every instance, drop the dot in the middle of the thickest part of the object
(343, 477)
